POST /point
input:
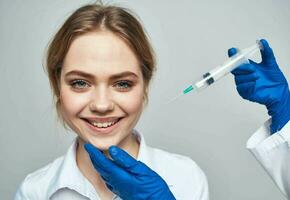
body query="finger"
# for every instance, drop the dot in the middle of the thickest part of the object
(99, 160)
(113, 189)
(252, 62)
(122, 158)
(104, 174)
(246, 78)
(232, 51)
(109, 186)
(246, 89)
(244, 69)
(267, 52)
(127, 162)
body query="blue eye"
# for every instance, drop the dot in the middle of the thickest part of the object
(124, 85)
(79, 84)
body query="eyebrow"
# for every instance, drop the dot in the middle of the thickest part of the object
(87, 75)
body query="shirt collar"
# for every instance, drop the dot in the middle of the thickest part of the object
(69, 176)
(142, 153)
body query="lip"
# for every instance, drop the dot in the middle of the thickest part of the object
(106, 130)
(102, 120)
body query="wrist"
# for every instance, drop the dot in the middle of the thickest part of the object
(281, 116)
(162, 192)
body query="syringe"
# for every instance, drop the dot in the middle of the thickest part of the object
(242, 56)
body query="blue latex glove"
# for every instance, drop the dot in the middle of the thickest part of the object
(264, 83)
(128, 178)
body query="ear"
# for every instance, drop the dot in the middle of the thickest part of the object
(145, 101)
(145, 97)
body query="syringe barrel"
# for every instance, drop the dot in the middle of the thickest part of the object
(233, 62)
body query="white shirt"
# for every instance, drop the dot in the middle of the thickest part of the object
(273, 152)
(62, 179)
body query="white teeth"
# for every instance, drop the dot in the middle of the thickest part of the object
(103, 125)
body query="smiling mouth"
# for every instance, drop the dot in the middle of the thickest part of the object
(102, 125)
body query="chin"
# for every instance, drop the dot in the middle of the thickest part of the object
(102, 147)
(103, 144)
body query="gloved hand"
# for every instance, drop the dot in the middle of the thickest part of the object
(264, 83)
(128, 178)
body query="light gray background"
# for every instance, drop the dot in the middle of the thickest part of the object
(190, 38)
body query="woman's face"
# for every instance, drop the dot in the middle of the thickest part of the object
(101, 89)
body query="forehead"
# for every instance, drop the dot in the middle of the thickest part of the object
(102, 53)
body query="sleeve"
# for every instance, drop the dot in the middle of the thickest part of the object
(20, 193)
(203, 188)
(273, 153)
(200, 183)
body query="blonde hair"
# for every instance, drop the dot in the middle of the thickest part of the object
(94, 17)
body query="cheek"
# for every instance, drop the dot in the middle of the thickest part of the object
(72, 103)
(131, 102)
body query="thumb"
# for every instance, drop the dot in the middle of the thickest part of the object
(267, 53)
(122, 158)
(232, 51)
(99, 160)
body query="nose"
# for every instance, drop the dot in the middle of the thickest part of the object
(101, 101)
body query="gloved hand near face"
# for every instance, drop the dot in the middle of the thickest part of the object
(128, 178)
(264, 83)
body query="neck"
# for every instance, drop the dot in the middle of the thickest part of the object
(129, 144)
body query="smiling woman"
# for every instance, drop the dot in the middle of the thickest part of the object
(104, 63)
(100, 64)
